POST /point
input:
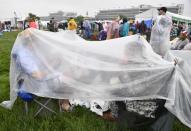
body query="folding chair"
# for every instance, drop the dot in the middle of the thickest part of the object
(28, 97)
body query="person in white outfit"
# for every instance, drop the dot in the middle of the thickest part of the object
(160, 35)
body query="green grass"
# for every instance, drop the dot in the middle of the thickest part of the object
(80, 119)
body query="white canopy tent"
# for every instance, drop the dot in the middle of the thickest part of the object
(153, 13)
(179, 18)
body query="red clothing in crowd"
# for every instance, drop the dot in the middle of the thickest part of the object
(32, 25)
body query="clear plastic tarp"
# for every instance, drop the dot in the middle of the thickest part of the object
(64, 66)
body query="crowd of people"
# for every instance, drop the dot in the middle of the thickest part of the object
(102, 30)
(4, 27)
(121, 27)
(1, 29)
(159, 40)
(118, 27)
(159, 37)
(178, 28)
(181, 37)
(146, 110)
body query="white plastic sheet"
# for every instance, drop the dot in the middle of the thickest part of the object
(181, 94)
(64, 66)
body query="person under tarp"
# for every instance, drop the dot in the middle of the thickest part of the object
(134, 114)
(102, 70)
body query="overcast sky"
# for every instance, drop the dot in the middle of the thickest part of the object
(44, 7)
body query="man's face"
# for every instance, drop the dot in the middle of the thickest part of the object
(160, 12)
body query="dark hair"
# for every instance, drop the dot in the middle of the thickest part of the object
(163, 9)
(124, 20)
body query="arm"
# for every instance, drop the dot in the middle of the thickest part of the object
(164, 24)
(29, 62)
